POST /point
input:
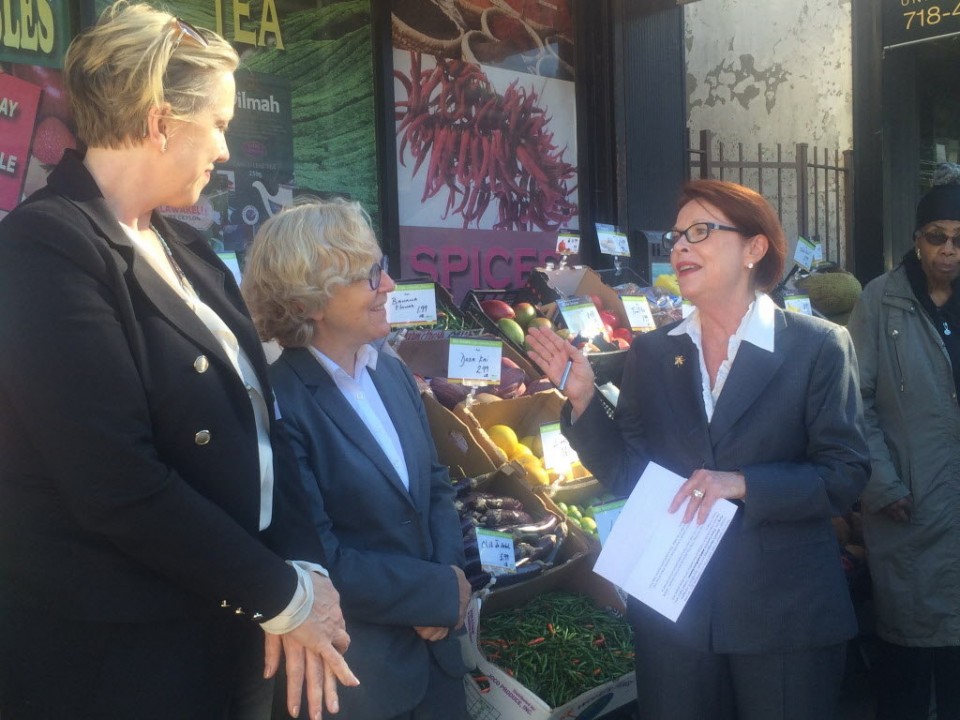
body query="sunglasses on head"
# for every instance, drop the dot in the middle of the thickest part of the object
(187, 32)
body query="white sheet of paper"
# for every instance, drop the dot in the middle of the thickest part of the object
(651, 554)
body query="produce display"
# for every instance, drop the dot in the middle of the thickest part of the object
(514, 382)
(558, 645)
(582, 515)
(537, 541)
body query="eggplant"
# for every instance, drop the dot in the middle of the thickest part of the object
(522, 550)
(485, 501)
(533, 531)
(502, 518)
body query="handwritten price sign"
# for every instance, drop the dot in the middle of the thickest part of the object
(638, 313)
(412, 304)
(798, 303)
(496, 551)
(612, 242)
(581, 317)
(557, 453)
(474, 362)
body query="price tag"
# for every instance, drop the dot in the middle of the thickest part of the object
(557, 453)
(639, 313)
(612, 242)
(686, 307)
(818, 253)
(568, 243)
(605, 516)
(472, 361)
(581, 316)
(805, 253)
(798, 303)
(412, 304)
(496, 551)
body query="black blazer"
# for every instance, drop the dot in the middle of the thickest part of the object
(129, 470)
(388, 550)
(791, 422)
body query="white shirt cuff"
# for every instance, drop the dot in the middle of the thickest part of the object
(298, 609)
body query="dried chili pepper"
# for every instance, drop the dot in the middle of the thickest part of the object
(483, 146)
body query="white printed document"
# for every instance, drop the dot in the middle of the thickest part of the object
(654, 556)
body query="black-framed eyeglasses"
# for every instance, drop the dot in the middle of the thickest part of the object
(187, 32)
(377, 271)
(698, 232)
(938, 238)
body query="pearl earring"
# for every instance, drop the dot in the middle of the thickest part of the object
(749, 266)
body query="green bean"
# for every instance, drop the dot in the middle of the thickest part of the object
(558, 645)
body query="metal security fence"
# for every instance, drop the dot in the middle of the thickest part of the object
(811, 188)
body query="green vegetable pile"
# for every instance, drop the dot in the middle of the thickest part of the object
(558, 645)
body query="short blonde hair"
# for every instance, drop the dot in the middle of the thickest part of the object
(298, 258)
(134, 59)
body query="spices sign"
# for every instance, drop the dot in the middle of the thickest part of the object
(909, 21)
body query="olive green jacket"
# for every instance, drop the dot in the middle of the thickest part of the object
(913, 428)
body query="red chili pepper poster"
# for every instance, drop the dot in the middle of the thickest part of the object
(18, 113)
(486, 138)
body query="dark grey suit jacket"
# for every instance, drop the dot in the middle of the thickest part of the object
(791, 422)
(388, 550)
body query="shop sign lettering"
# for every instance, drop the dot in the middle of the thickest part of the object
(33, 32)
(909, 21)
(247, 29)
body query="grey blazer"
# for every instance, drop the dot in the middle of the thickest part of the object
(388, 550)
(791, 422)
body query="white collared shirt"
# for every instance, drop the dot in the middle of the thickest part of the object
(360, 391)
(756, 327)
(152, 251)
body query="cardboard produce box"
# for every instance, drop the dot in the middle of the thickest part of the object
(525, 415)
(493, 693)
(572, 558)
(457, 446)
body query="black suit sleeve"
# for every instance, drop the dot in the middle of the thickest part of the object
(72, 386)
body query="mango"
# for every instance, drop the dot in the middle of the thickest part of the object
(511, 330)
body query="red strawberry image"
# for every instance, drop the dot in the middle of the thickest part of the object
(50, 139)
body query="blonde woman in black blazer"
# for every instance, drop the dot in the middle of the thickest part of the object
(778, 431)
(147, 503)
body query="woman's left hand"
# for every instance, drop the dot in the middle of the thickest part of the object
(704, 488)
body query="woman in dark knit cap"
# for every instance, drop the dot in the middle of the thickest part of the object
(906, 329)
